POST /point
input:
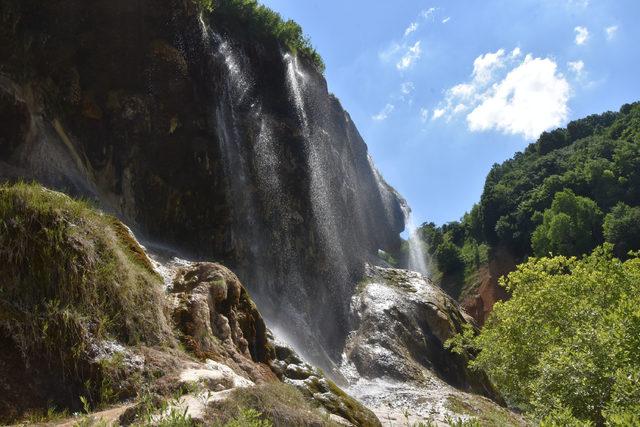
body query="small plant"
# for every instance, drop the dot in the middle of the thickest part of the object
(248, 418)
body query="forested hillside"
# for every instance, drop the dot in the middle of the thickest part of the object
(568, 192)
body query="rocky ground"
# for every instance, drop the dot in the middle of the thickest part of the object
(396, 361)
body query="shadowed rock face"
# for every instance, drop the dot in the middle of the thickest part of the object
(402, 321)
(202, 137)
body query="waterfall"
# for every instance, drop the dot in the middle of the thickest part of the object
(417, 255)
(293, 74)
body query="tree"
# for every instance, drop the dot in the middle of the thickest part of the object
(448, 257)
(568, 341)
(570, 227)
(622, 228)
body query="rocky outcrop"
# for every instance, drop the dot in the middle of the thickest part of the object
(84, 314)
(480, 296)
(217, 320)
(200, 136)
(396, 356)
(315, 386)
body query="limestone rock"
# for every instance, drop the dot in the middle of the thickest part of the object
(313, 384)
(219, 321)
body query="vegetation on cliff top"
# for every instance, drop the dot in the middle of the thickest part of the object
(568, 192)
(566, 346)
(261, 21)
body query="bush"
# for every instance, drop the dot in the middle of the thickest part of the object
(569, 338)
(274, 403)
(622, 229)
(264, 22)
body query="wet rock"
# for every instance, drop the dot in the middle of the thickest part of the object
(402, 322)
(313, 384)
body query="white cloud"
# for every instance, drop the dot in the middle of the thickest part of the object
(384, 113)
(532, 98)
(438, 112)
(582, 34)
(412, 54)
(424, 115)
(411, 28)
(428, 13)
(510, 94)
(459, 108)
(516, 52)
(611, 32)
(579, 3)
(577, 67)
(407, 87)
(484, 65)
(447, 19)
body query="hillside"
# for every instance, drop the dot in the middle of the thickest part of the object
(568, 192)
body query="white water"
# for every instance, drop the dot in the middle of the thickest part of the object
(417, 255)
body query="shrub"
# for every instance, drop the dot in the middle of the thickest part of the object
(274, 403)
(569, 338)
(264, 22)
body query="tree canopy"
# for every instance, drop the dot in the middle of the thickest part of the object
(567, 343)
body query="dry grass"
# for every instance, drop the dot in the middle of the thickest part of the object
(279, 403)
(70, 277)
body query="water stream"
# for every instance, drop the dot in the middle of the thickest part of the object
(417, 254)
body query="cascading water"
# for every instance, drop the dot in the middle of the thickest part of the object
(417, 256)
(315, 137)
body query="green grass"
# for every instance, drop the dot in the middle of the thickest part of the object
(71, 276)
(482, 413)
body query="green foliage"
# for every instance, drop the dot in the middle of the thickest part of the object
(69, 280)
(261, 21)
(622, 228)
(596, 158)
(248, 418)
(206, 5)
(448, 257)
(570, 227)
(568, 341)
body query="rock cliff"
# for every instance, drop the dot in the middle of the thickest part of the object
(202, 136)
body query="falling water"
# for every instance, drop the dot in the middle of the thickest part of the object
(293, 75)
(417, 256)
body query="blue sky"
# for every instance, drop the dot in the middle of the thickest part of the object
(441, 90)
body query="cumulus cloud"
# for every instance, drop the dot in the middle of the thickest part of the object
(410, 56)
(384, 113)
(611, 32)
(484, 65)
(447, 19)
(510, 94)
(582, 34)
(516, 52)
(438, 112)
(577, 67)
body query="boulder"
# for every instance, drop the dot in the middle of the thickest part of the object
(396, 355)
(218, 320)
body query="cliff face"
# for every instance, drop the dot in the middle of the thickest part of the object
(204, 138)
